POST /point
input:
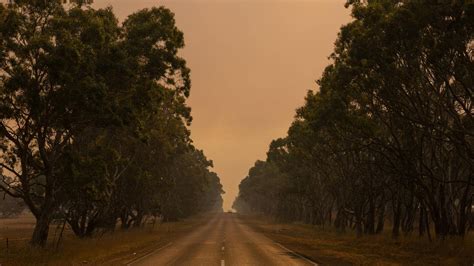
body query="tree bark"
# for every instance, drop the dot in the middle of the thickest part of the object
(381, 218)
(370, 222)
(40, 233)
(396, 219)
(422, 223)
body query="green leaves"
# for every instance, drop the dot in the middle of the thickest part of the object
(389, 121)
(94, 115)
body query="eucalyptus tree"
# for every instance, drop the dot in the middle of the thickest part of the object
(195, 188)
(92, 114)
(390, 131)
(142, 152)
(51, 89)
(410, 68)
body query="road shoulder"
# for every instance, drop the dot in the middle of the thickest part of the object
(326, 246)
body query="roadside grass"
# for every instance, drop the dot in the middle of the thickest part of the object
(326, 246)
(114, 248)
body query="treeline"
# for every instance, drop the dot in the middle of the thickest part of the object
(93, 118)
(389, 135)
(10, 207)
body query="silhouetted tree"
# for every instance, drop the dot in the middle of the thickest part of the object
(390, 131)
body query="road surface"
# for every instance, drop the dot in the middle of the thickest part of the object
(224, 240)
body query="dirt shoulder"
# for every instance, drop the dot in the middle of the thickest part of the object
(116, 248)
(328, 247)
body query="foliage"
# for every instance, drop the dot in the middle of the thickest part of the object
(10, 207)
(93, 115)
(389, 135)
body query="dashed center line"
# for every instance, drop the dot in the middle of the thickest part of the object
(223, 252)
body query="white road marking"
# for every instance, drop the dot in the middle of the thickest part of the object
(223, 252)
(296, 254)
(147, 255)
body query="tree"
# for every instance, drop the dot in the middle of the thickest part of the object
(51, 90)
(390, 130)
(93, 115)
(157, 85)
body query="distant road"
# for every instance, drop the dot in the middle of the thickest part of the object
(224, 240)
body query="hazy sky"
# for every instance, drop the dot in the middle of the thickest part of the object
(252, 62)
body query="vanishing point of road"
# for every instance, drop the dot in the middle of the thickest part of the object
(223, 240)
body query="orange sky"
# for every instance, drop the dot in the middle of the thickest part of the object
(252, 62)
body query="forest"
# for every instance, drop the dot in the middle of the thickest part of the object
(386, 140)
(94, 121)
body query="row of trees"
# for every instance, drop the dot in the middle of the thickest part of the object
(389, 136)
(93, 118)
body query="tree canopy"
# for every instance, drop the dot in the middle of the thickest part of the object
(93, 117)
(389, 134)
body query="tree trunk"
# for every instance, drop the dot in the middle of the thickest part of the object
(138, 220)
(381, 219)
(427, 222)
(422, 223)
(370, 223)
(124, 219)
(90, 229)
(464, 212)
(40, 233)
(359, 222)
(396, 219)
(409, 216)
(442, 225)
(340, 221)
(330, 216)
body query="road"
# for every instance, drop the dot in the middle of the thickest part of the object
(224, 240)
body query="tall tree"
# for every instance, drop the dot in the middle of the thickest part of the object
(51, 89)
(390, 130)
(93, 115)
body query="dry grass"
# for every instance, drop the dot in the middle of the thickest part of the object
(110, 249)
(326, 246)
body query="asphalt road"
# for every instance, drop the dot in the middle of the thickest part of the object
(224, 240)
